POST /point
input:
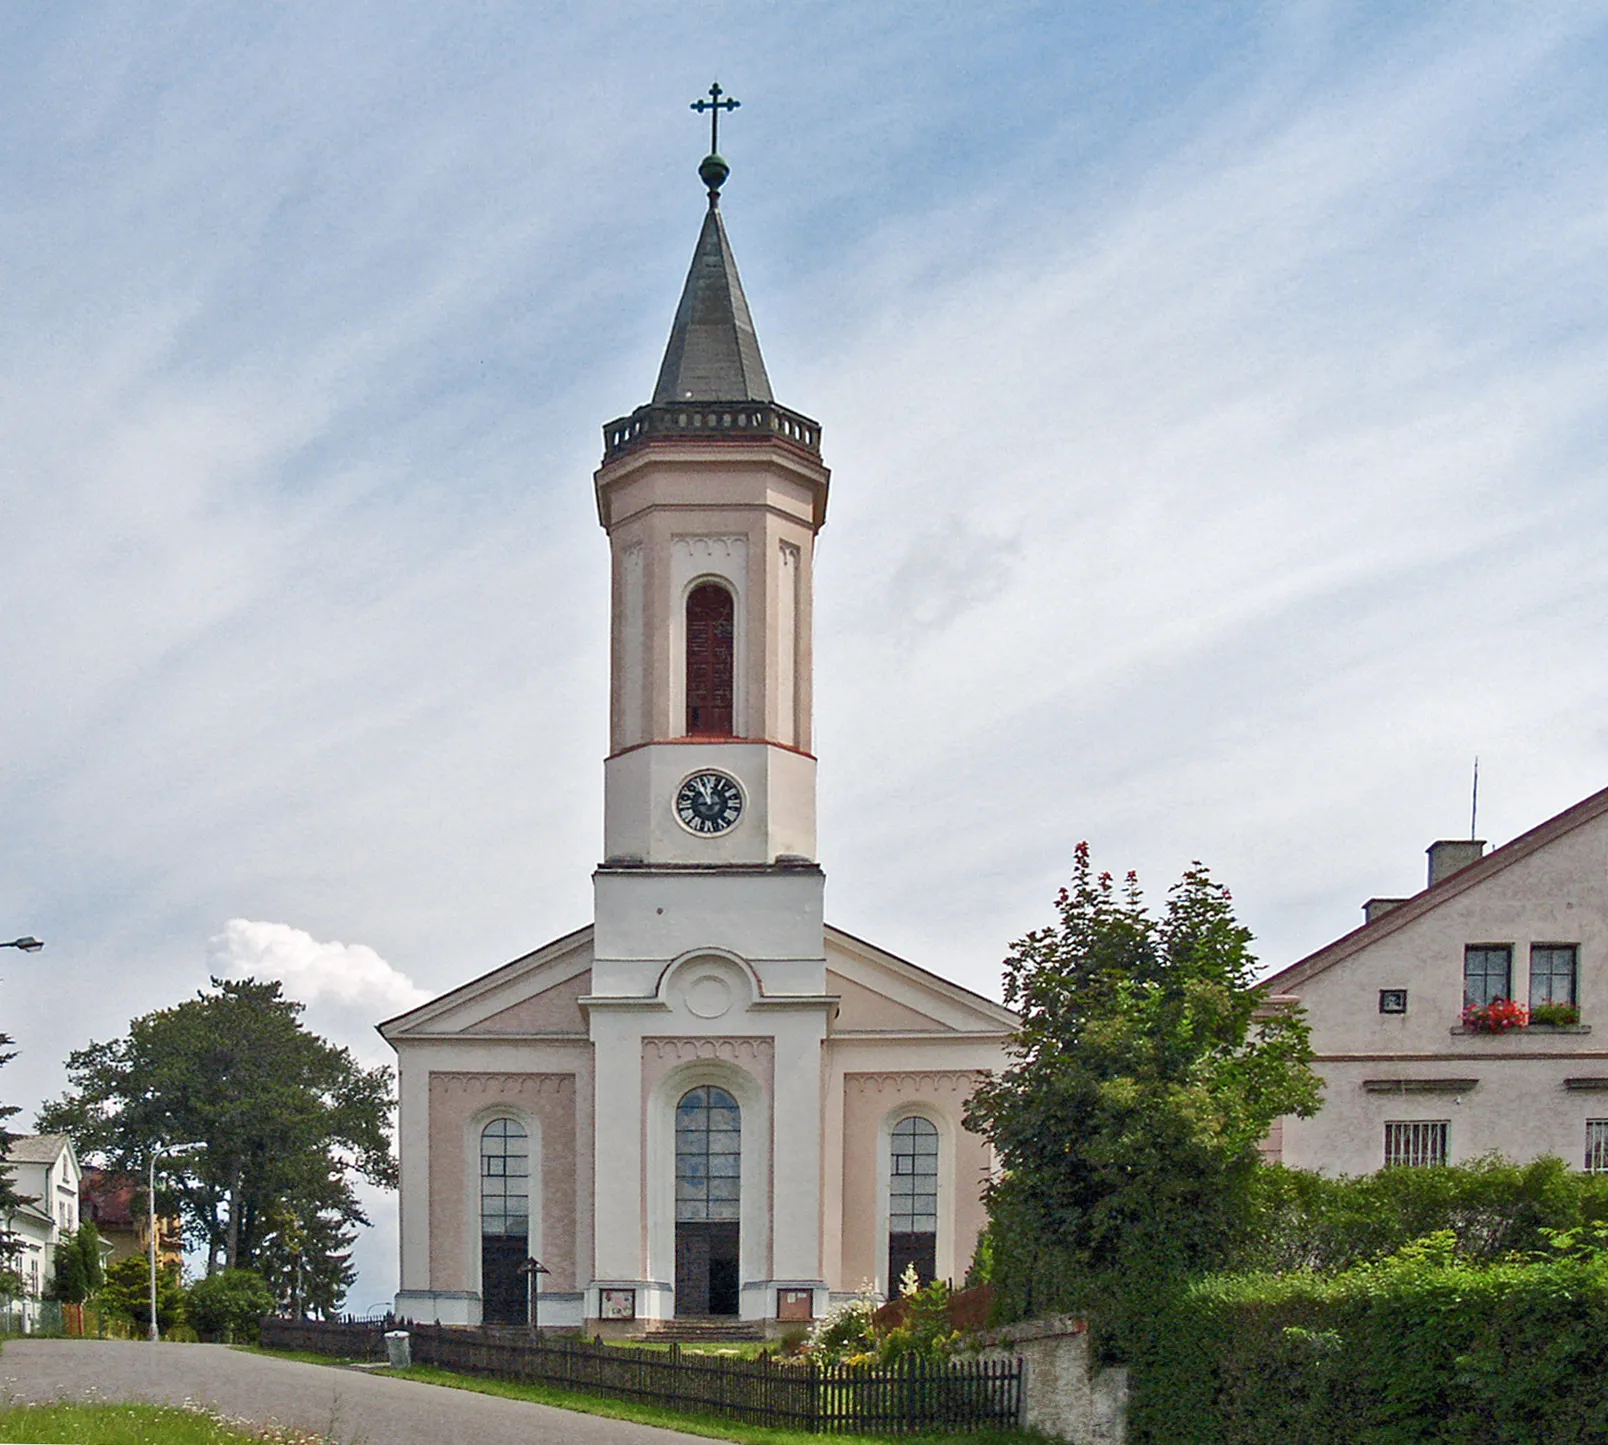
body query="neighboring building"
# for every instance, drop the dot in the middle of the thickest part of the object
(44, 1172)
(112, 1203)
(708, 1102)
(1406, 1080)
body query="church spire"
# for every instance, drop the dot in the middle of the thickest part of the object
(713, 353)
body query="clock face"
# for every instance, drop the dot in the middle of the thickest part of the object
(709, 803)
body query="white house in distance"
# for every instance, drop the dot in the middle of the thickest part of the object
(708, 1103)
(1406, 1081)
(44, 1171)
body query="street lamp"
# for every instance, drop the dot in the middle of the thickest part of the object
(27, 945)
(157, 1150)
(530, 1269)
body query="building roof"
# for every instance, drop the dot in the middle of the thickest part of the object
(37, 1148)
(713, 353)
(1583, 812)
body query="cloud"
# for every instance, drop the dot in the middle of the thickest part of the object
(349, 975)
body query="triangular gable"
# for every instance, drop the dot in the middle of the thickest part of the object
(541, 985)
(553, 1010)
(1499, 859)
(888, 994)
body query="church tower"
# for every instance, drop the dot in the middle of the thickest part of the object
(708, 904)
(708, 1105)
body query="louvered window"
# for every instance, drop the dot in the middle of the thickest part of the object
(710, 633)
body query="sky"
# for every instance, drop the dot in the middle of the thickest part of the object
(1216, 397)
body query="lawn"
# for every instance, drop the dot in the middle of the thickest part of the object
(136, 1425)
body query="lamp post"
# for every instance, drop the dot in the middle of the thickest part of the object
(157, 1150)
(27, 944)
(530, 1269)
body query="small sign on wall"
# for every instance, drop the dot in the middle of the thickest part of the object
(619, 1304)
(795, 1304)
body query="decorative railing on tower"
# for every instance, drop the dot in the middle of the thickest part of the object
(709, 421)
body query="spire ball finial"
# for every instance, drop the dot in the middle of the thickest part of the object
(712, 171)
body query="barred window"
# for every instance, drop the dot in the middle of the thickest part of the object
(1552, 973)
(1597, 1146)
(1487, 973)
(913, 1187)
(1415, 1143)
(504, 1179)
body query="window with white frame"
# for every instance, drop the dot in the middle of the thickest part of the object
(913, 1201)
(1415, 1143)
(1597, 1146)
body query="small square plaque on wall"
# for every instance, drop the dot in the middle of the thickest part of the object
(795, 1304)
(619, 1304)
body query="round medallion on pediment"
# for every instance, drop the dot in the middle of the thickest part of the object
(708, 996)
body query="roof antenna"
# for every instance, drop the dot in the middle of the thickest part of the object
(1474, 803)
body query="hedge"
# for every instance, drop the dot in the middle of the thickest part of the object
(1423, 1348)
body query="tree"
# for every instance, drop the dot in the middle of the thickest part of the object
(1143, 1077)
(10, 1200)
(285, 1121)
(78, 1269)
(126, 1293)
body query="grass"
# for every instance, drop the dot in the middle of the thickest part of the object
(716, 1427)
(137, 1425)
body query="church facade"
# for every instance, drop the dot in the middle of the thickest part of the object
(708, 1103)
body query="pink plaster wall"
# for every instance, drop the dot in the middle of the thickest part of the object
(867, 1100)
(455, 1099)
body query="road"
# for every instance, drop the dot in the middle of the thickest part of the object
(353, 1407)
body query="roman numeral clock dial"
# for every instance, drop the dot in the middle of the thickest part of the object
(709, 803)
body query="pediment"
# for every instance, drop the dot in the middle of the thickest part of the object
(882, 993)
(536, 994)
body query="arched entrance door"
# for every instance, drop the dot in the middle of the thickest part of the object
(708, 1198)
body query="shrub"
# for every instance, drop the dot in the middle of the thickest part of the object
(229, 1305)
(1423, 1346)
(126, 1294)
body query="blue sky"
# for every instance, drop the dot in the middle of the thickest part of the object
(1215, 397)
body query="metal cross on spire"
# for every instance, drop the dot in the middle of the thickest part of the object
(714, 105)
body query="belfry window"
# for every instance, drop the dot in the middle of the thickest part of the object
(504, 1220)
(710, 668)
(913, 1201)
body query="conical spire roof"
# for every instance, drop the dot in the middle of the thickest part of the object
(713, 353)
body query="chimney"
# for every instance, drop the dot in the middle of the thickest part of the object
(1378, 907)
(1450, 855)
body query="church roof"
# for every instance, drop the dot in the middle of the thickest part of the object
(713, 353)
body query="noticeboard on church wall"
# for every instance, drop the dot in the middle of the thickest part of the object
(619, 1304)
(794, 1304)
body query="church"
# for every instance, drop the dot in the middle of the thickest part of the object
(708, 1104)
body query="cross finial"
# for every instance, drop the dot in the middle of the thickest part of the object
(714, 169)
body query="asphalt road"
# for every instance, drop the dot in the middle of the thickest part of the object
(350, 1406)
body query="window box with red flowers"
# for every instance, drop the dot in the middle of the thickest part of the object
(1500, 1016)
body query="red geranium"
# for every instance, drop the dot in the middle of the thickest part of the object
(1497, 1017)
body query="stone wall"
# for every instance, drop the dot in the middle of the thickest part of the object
(1063, 1393)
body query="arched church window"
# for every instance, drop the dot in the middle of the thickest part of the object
(913, 1201)
(710, 669)
(709, 1147)
(504, 1220)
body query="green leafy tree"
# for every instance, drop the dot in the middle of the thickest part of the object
(126, 1293)
(284, 1119)
(78, 1269)
(229, 1305)
(1143, 1077)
